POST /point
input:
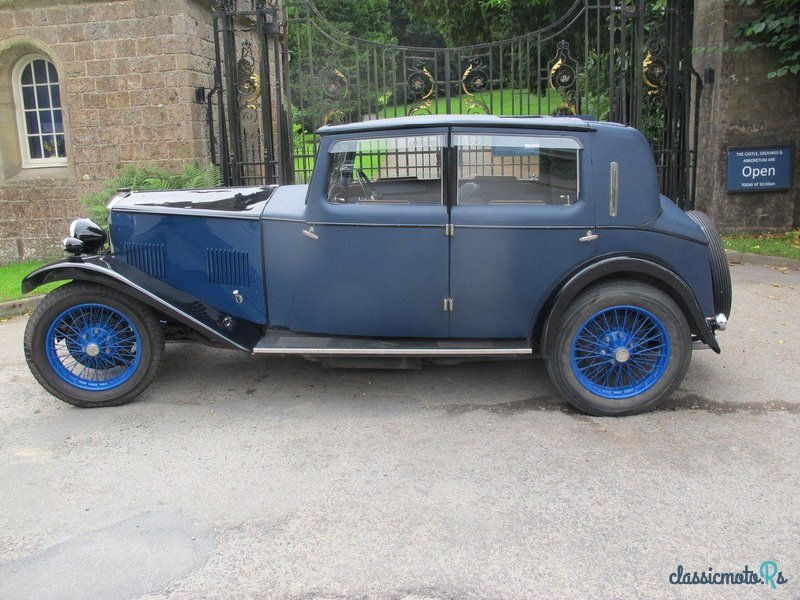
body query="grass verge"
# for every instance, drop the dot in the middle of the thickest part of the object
(11, 279)
(785, 245)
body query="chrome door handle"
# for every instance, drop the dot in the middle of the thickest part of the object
(309, 233)
(589, 237)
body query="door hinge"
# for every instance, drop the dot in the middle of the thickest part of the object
(448, 305)
(449, 230)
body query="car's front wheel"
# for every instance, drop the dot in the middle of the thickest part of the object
(620, 349)
(90, 345)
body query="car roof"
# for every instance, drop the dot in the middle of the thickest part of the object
(517, 121)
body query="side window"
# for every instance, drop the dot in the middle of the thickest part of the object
(387, 170)
(516, 169)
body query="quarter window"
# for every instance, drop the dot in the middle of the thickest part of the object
(39, 113)
(387, 170)
(516, 169)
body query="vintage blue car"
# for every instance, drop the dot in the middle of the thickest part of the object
(416, 238)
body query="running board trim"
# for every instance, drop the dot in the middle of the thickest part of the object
(278, 342)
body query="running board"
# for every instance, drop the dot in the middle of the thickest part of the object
(281, 342)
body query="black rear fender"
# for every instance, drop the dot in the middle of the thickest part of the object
(621, 268)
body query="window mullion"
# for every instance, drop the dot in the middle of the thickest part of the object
(52, 117)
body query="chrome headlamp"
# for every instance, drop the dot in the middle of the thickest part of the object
(85, 236)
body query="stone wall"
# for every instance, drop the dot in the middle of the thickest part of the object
(128, 71)
(741, 108)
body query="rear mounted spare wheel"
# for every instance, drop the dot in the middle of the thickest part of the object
(720, 271)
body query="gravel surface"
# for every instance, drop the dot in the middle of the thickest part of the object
(242, 477)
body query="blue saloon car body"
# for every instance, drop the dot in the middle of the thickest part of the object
(241, 267)
(435, 236)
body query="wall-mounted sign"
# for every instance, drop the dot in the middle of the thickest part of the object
(760, 168)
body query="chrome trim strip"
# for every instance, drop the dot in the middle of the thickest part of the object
(407, 225)
(396, 351)
(614, 190)
(281, 219)
(566, 227)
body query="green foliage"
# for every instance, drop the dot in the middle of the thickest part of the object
(365, 19)
(410, 32)
(478, 21)
(776, 27)
(138, 177)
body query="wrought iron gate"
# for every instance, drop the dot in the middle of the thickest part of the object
(284, 70)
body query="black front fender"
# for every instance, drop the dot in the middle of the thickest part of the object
(165, 299)
(627, 267)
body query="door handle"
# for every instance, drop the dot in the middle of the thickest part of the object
(309, 233)
(589, 237)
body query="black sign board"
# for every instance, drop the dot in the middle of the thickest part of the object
(760, 168)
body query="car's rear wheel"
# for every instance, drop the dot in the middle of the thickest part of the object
(91, 346)
(621, 348)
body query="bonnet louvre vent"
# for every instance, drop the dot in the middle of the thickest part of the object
(228, 267)
(146, 257)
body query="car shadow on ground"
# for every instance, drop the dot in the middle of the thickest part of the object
(505, 387)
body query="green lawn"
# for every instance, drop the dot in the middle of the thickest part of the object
(786, 245)
(11, 279)
(507, 102)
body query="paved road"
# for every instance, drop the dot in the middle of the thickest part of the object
(239, 477)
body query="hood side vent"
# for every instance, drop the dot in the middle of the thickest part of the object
(146, 257)
(228, 267)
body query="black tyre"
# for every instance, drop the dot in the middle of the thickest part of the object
(620, 349)
(720, 270)
(93, 346)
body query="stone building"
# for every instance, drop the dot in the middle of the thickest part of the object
(84, 88)
(740, 106)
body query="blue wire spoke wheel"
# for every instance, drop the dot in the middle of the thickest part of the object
(620, 352)
(93, 347)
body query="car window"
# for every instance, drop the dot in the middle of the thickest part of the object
(387, 170)
(508, 169)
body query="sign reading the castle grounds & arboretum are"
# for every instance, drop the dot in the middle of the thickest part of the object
(760, 168)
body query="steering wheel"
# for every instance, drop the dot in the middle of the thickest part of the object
(365, 183)
(337, 193)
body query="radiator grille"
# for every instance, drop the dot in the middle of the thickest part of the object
(146, 257)
(228, 267)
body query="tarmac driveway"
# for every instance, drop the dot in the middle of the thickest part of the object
(240, 477)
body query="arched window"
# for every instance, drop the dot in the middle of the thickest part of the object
(40, 119)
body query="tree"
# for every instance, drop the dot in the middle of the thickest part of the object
(366, 19)
(479, 21)
(410, 32)
(776, 27)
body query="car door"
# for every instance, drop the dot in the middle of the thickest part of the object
(522, 221)
(375, 249)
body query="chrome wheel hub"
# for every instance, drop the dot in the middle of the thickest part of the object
(92, 350)
(622, 355)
